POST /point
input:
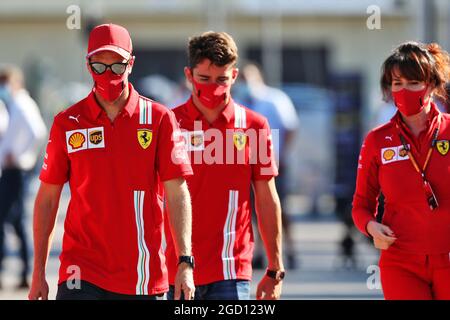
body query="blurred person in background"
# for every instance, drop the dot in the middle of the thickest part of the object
(222, 236)
(116, 150)
(4, 119)
(157, 87)
(181, 93)
(384, 114)
(279, 110)
(408, 160)
(20, 146)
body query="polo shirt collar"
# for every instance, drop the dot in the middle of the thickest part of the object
(434, 111)
(432, 120)
(195, 114)
(96, 110)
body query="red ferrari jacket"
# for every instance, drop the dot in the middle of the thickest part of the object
(384, 166)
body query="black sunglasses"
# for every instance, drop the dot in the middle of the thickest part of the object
(117, 68)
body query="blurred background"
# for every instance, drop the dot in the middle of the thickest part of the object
(325, 55)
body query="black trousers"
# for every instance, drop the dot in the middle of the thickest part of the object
(88, 291)
(12, 212)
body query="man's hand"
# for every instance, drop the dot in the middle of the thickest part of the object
(269, 289)
(383, 236)
(39, 288)
(184, 281)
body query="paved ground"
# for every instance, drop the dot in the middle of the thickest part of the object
(320, 274)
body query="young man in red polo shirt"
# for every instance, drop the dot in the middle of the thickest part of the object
(115, 149)
(230, 152)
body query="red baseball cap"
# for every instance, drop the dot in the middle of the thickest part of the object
(110, 37)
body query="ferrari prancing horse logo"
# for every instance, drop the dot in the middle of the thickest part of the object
(144, 137)
(442, 146)
(239, 139)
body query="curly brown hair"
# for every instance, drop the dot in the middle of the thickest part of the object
(417, 61)
(218, 47)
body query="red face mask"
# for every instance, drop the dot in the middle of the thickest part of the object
(211, 95)
(410, 102)
(109, 85)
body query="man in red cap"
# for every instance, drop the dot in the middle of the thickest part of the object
(116, 149)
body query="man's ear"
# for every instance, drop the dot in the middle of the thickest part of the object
(131, 64)
(88, 66)
(234, 75)
(188, 74)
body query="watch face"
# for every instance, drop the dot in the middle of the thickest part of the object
(277, 275)
(187, 259)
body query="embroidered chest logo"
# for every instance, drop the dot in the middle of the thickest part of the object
(83, 139)
(75, 118)
(194, 140)
(144, 137)
(96, 137)
(388, 155)
(442, 146)
(393, 154)
(239, 139)
(77, 140)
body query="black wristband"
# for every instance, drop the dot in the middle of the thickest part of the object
(277, 275)
(187, 259)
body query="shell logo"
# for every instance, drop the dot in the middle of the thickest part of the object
(389, 154)
(76, 140)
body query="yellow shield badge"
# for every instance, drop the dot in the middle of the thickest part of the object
(144, 137)
(239, 139)
(442, 146)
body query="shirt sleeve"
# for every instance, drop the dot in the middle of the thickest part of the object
(30, 133)
(36, 128)
(365, 199)
(56, 166)
(4, 119)
(264, 165)
(172, 158)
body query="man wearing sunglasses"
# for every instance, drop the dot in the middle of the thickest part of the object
(116, 149)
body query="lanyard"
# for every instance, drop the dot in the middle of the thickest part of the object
(430, 151)
(430, 196)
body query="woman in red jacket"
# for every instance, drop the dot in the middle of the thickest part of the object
(408, 160)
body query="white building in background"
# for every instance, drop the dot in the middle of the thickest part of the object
(30, 29)
(35, 35)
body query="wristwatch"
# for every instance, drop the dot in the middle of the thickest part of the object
(276, 274)
(187, 259)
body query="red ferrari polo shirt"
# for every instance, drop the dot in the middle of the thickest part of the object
(113, 227)
(385, 166)
(226, 157)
